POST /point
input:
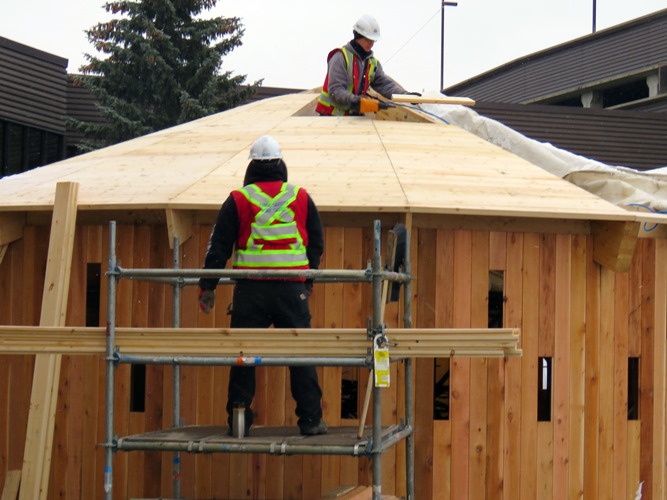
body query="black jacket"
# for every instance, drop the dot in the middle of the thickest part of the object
(226, 229)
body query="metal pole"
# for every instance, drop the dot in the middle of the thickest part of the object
(407, 323)
(176, 374)
(111, 331)
(442, 40)
(377, 391)
(442, 45)
(345, 274)
(147, 359)
(594, 14)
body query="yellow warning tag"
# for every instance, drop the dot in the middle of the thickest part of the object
(381, 367)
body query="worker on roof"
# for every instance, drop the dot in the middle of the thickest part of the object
(352, 70)
(268, 224)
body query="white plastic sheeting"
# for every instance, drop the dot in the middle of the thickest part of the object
(623, 186)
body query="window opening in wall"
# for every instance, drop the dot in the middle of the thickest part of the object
(93, 286)
(16, 146)
(627, 92)
(496, 298)
(441, 389)
(633, 388)
(35, 145)
(544, 387)
(138, 388)
(4, 143)
(572, 102)
(349, 392)
(23, 148)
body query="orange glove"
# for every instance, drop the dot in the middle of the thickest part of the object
(370, 105)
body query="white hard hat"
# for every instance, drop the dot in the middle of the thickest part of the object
(367, 27)
(265, 148)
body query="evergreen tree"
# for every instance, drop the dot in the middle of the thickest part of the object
(162, 68)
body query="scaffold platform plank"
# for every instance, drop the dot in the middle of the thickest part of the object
(273, 440)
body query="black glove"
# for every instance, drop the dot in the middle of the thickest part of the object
(206, 300)
(309, 287)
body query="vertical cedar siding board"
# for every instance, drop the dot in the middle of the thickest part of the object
(615, 137)
(588, 59)
(533, 464)
(32, 85)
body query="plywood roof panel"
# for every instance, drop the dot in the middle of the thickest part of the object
(347, 164)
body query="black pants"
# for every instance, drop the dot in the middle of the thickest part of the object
(283, 304)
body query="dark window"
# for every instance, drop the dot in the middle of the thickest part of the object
(544, 387)
(35, 147)
(628, 92)
(633, 388)
(23, 148)
(93, 294)
(138, 388)
(15, 152)
(496, 298)
(53, 148)
(349, 393)
(572, 102)
(441, 371)
(4, 142)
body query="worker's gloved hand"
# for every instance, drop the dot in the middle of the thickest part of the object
(367, 105)
(370, 105)
(309, 287)
(206, 300)
(413, 93)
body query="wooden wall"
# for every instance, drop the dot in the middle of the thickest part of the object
(587, 319)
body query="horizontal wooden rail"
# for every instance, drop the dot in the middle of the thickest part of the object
(349, 342)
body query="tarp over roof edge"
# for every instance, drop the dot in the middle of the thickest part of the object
(623, 186)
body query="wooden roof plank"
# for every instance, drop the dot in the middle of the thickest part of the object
(347, 164)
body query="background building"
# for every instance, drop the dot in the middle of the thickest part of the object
(33, 106)
(603, 96)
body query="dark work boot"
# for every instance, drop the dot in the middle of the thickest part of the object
(314, 429)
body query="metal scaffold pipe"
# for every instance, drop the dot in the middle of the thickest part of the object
(211, 340)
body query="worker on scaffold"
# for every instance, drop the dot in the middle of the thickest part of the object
(352, 70)
(268, 224)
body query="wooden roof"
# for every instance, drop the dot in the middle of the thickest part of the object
(406, 162)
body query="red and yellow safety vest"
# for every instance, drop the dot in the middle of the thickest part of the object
(272, 226)
(324, 104)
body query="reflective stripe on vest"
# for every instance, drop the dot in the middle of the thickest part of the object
(274, 224)
(324, 104)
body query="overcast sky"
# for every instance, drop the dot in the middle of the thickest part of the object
(286, 42)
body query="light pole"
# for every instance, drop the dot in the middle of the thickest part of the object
(442, 40)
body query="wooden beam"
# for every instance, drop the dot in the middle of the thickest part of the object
(46, 376)
(179, 223)
(11, 226)
(415, 99)
(11, 229)
(348, 342)
(614, 243)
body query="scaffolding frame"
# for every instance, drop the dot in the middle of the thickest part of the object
(380, 440)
